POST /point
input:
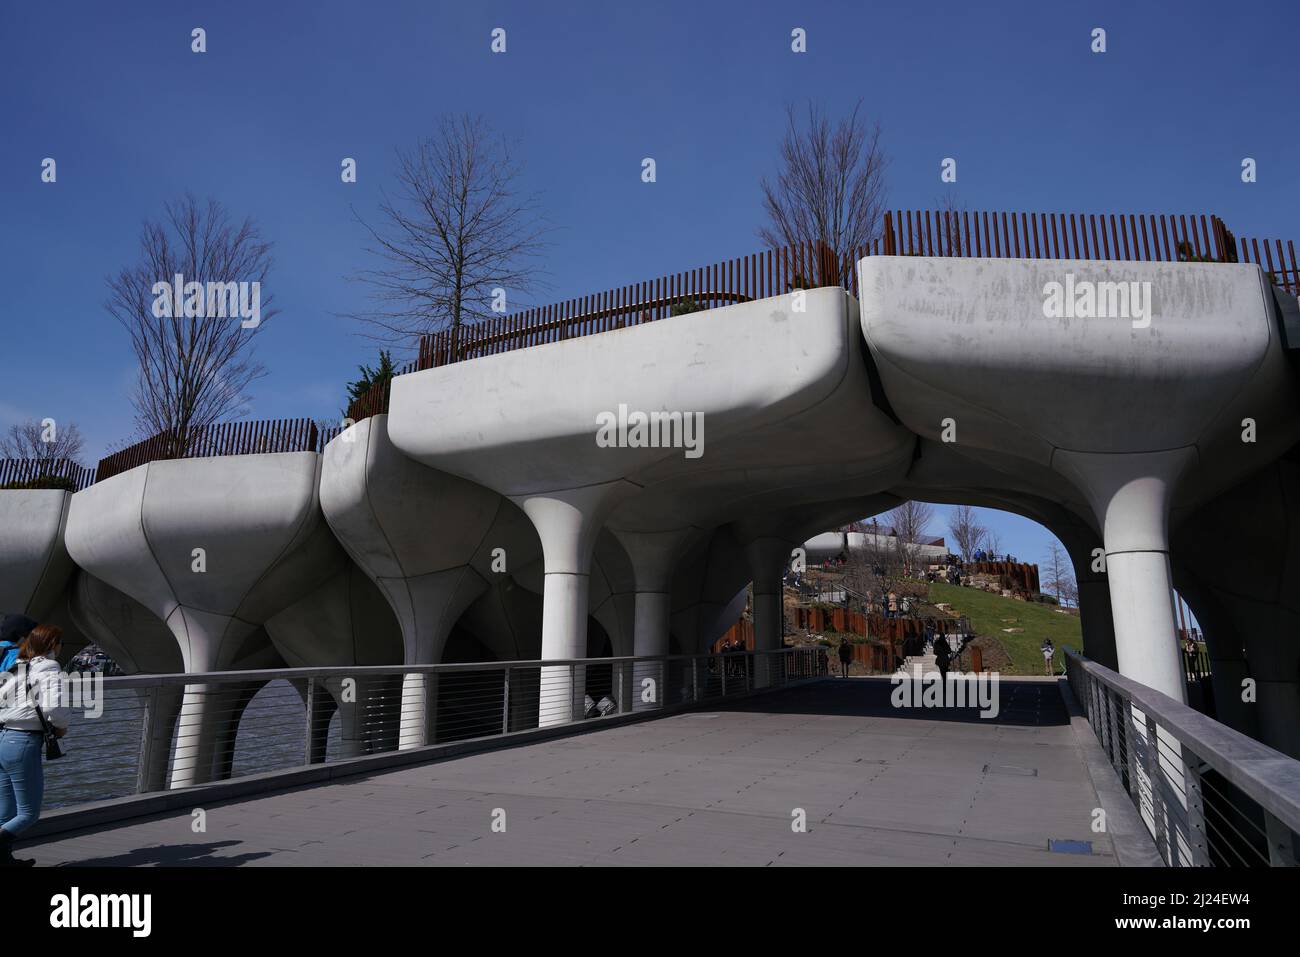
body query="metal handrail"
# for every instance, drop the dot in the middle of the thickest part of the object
(1189, 747)
(345, 671)
(167, 731)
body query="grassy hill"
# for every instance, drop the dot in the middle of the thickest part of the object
(990, 614)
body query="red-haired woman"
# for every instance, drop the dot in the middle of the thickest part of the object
(36, 681)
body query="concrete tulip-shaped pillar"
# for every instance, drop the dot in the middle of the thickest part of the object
(567, 523)
(441, 599)
(426, 538)
(140, 644)
(654, 557)
(1096, 619)
(213, 547)
(768, 559)
(345, 622)
(1130, 494)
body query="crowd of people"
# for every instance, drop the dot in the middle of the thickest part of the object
(734, 666)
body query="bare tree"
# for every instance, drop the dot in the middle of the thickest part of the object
(966, 530)
(44, 441)
(830, 186)
(458, 231)
(195, 367)
(949, 212)
(991, 542)
(1069, 592)
(910, 521)
(1058, 576)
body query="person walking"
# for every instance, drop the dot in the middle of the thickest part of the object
(30, 703)
(942, 656)
(1049, 651)
(846, 655)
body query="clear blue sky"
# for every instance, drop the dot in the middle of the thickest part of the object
(1160, 122)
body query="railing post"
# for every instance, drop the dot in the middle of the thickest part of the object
(695, 679)
(1126, 715)
(1110, 730)
(144, 766)
(307, 725)
(725, 665)
(1281, 845)
(1155, 779)
(505, 701)
(1196, 835)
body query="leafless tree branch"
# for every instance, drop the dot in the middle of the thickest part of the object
(31, 440)
(192, 371)
(830, 186)
(457, 230)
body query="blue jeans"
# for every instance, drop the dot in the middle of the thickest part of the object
(22, 780)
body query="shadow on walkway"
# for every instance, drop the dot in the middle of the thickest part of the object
(173, 855)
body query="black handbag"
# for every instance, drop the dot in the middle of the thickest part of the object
(52, 749)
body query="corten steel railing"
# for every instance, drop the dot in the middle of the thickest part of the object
(1163, 238)
(1147, 238)
(375, 399)
(1209, 795)
(1282, 270)
(18, 472)
(221, 438)
(743, 279)
(157, 730)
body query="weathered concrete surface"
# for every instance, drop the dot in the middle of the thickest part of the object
(879, 787)
(213, 547)
(34, 565)
(129, 633)
(1140, 420)
(256, 519)
(783, 388)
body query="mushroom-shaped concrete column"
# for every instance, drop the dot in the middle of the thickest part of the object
(213, 547)
(430, 541)
(567, 522)
(1132, 380)
(654, 557)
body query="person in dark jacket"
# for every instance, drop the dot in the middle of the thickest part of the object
(846, 655)
(942, 656)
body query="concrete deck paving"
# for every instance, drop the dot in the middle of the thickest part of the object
(879, 786)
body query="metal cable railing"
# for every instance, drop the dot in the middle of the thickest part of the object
(155, 732)
(1209, 795)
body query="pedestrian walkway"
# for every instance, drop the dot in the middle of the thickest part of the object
(875, 784)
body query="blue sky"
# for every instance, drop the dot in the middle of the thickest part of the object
(1160, 123)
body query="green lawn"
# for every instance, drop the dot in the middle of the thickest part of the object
(987, 613)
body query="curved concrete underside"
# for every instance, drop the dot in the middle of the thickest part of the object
(214, 548)
(1134, 415)
(487, 507)
(34, 564)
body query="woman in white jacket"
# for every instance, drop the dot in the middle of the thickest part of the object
(22, 741)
